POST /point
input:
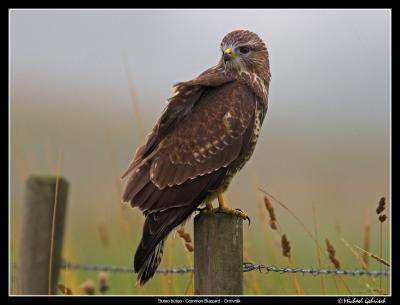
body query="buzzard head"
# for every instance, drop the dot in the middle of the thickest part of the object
(244, 51)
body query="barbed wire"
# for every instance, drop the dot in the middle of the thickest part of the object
(112, 268)
(247, 267)
(314, 271)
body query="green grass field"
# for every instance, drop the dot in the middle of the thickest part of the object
(111, 240)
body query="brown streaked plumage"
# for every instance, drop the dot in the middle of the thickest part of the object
(205, 135)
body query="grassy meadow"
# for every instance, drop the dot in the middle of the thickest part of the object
(101, 230)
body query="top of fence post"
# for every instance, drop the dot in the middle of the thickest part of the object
(218, 254)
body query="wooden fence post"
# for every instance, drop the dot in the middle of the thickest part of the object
(218, 254)
(36, 234)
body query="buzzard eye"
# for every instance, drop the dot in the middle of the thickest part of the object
(244, 50)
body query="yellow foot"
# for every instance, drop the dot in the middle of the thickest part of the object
(224, 208)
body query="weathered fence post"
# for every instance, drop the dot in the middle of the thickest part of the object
(36, 234)
(218, 254)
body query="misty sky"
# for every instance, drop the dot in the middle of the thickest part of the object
(326, 65)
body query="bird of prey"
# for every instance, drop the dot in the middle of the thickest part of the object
(205, 135)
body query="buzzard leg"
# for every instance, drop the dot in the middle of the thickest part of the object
(224, 208)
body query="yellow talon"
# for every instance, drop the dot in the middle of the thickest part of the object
(224, 208)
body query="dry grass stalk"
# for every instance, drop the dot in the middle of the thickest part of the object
(285, 244)
(336, 284)
(360, 259)
(306, 230)
(338, 230)
(375, 290)
(331, 253)
(189, 247)
(103, 234)
(272, 216)
(381, 205)
(125, 222)
(187, 243)
(135, 103)
(169, 263)
(246, 282)
(53, 223)
(186, 238)
(88, 287)
(293, 215)
(367, 233)
(71, 278)
(263, 219)
(189, 285)
(379, 259)
(382, 218)
(318, 252)
(184, 235)
(261, 212)
(64, 290)
(378, 291)
(103, 282)
(298, 288)
(254, 282)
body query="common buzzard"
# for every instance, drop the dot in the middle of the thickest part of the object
(205, 135)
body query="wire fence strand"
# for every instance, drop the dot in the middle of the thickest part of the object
(247, 267)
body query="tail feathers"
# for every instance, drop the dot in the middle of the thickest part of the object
(161, 221)
(147, 269)
(156, 228)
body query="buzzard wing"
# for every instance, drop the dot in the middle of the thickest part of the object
(207, 138)
(187, 95)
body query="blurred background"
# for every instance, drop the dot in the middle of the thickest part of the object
(86, 86)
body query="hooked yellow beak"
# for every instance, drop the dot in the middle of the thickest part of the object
(228, 51)
(228, 54)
